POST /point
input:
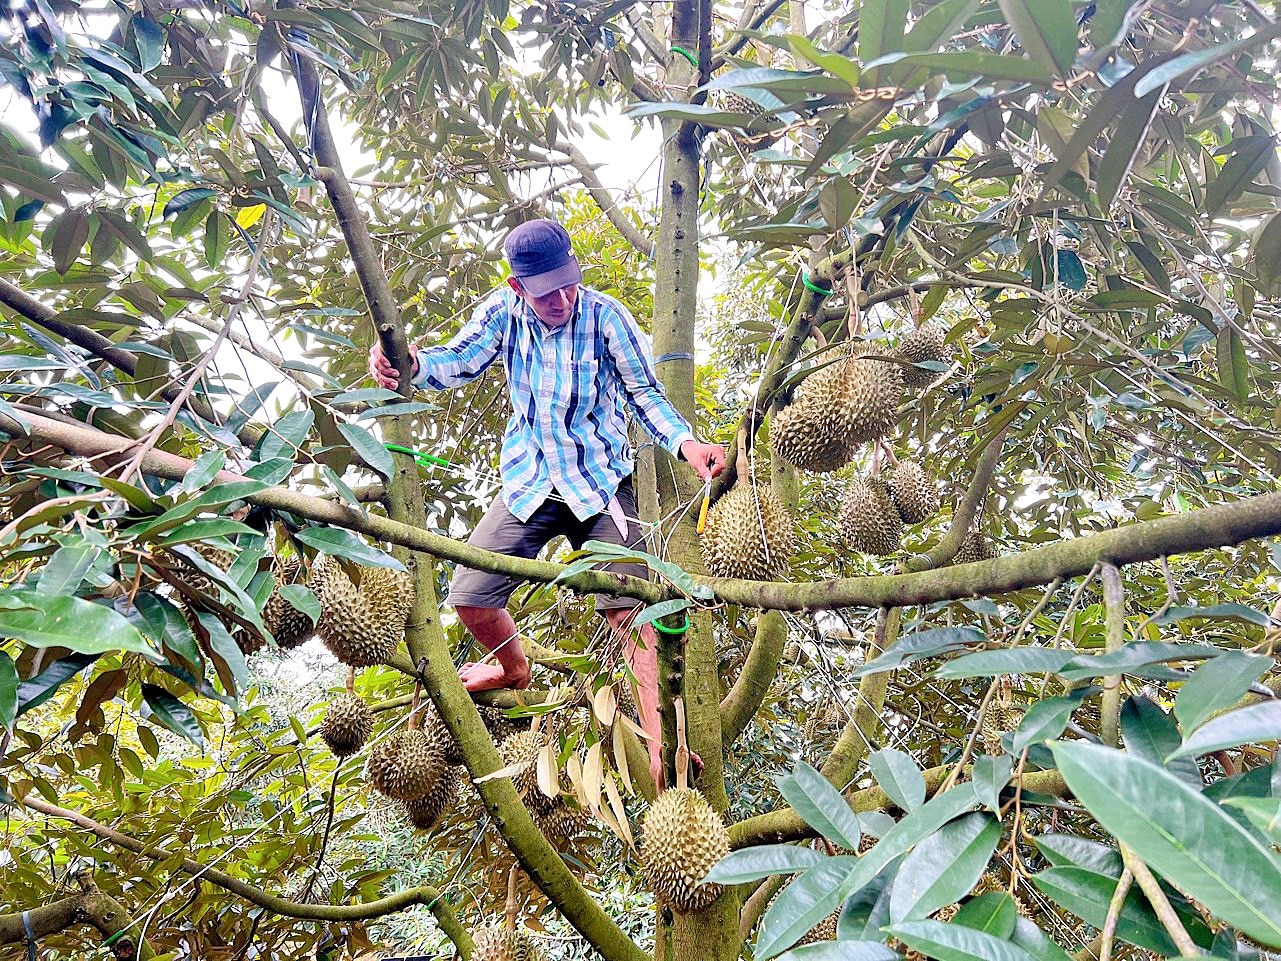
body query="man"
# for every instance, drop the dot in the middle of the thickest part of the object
(575, 359)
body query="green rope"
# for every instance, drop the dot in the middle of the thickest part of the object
(419, 455)
(805, 279)
(672, 630)
(686, 54)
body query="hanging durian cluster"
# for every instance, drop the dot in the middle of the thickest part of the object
(496, 943)
(874, 510)
(559, 822)
(347, 725)
(925, 344)
(976, 547)
(406, 765)
(682, 838)
(749, 534)
(361, 624)
(835, 410)
(288, 625)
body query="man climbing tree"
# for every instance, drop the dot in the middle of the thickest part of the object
(575, 360)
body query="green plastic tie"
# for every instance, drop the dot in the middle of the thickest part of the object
(115, 937)
(809, 285)
(672, 630)
(419, 455)
(686, 54)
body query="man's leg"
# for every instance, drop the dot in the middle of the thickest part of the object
(480, 598)
(640, 649)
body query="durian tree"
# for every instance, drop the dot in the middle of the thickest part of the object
(974, 645)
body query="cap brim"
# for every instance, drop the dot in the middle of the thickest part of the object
(537, 285)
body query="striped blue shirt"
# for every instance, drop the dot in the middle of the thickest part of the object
(570, 387)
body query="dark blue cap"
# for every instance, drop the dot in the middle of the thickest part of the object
(541, 257)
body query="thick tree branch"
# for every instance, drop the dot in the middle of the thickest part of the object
(608, 206)
(1114, 606)
(91, 906)
(739, 706)
(1224, 525)
(966, 510)
(27, 306)
(423, 894)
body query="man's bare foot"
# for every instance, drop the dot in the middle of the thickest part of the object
(491, 677)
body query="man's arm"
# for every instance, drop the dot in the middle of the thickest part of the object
(631, 358)
(464, 358)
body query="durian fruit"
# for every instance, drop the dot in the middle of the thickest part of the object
(682, 838)
(496, 943)
(825, 930)
(1000, 717)
(347, 725)
(915, 495)
(288, 625)
(362, 625)
(749, 533)
(248, 641)
(837, 409)
(975, 547)
(868, 521)
(563, 824)
(523, 749)
(499, 725)
(426, 812)
(406, 766)
(925, 343)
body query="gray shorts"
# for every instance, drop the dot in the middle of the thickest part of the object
(500, 531)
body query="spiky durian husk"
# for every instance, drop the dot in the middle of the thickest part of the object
(868, 520)
(749, 533)
(499, 725)
(496, 943)
(288, 625)
(562, 824)
(999, 718)
(927, 343)
(825, 930)
(915, 495)
(426, 812)
(523, 748)
(406, 766)
(362, 625)
(682, 838)
(347, 725)
(248, 641)
(975, 547)
(837, 409)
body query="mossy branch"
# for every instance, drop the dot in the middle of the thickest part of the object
(422, 894)
(91, 906)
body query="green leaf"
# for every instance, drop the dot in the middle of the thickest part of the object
(287, 435)
(1046, 30)
(1020, 660)
(880, 31)
(842, 951)
(70, 230)
(187, 198)
(944, 867)
(988, 66)
(1137, 654)
(149, 37)
(1088, 895)
(954, 942)
(1124, 148)
(833, 63)
(991, 775)
(34, 692)
(1234, 612)
(217, 237)
(168, 627)
(1250, 156)
(1108, 21)
(226, 648)
(368, 448)
(8, 692)
(994, 912)
(70, 622)
(921, 644)
(173, 714)
(205, 469)
(1263, 813)
(343, 543)
(205, 529)
(1152, 734)
(1181, 834)
(1068, 850)
(899, 777)
(750, 864)
(301, 598)
(653, 612)
(1267, 253)
(1217, 684)
(1248, 725)
(802, 904)
(67, 569)
(1036, 942)
(127, 231)
(1233, 366)
(821, 806)
(1045, 720)
(1190, 62)
(33, 185)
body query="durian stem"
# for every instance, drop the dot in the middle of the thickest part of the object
(351, 680)
(889, 452)
(820, 338)
(742, 460)
(512, 877)
(682, 746)
(853, 290)
(415, 707)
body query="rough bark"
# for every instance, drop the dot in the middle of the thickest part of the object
(92, 907)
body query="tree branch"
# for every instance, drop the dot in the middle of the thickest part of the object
(1223, 525)
(27, 306)
(738, 707)
(963, 516)
(606, 203)
(91, 906)
(423, 894)
(1114, 605)
(752, 19)
(1151, 889)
